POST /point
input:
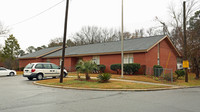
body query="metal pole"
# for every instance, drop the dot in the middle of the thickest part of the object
(171, 77)
(185, 40)
(64, 41)
(122, 42)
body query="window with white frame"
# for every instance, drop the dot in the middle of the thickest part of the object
(96, 59)
(128, 58)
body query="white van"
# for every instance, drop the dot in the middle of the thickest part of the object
(41, 70)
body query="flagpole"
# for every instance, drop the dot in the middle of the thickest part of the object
(122, 41)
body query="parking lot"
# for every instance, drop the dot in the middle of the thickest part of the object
(18, 94)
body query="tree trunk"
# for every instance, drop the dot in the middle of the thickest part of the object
(87, 76)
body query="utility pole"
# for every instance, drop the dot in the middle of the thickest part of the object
(64, 41)
(122, 42)
(185, 40)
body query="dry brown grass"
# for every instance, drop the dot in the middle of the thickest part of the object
(19, 72)
(191, 81)
(126, 77)
(73, 82)
(181, 81)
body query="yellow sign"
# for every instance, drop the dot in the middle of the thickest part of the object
(185, 64)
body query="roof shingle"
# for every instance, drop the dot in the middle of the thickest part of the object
(136, 44)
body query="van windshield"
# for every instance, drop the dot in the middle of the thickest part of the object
(29, 66)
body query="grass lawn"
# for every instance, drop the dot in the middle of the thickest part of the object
(181, 81)
(191, 81)
(19, 72)
(127, 77)
(93, 83)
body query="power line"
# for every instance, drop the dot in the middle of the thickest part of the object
(27, 19)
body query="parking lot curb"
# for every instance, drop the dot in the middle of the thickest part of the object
(98, 89)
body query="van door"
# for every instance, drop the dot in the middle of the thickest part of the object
(57, 69)
(48, 71)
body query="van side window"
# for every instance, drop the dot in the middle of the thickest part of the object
(39, 66)
(55, 66)
(47, 66)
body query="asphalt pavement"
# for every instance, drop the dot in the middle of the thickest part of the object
(17, 94)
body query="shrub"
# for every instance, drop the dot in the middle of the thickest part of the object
(180, 73)
(104, 77)
(116, 67)
(131, 68)
(86, 67)
(157, 70)
(101, 68)
(168, 77)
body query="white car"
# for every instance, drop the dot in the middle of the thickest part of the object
(5, 72)
(41, 70)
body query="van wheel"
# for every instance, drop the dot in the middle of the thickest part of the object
(64, 75)
(53, 77)
(30, 78)
(39, 77)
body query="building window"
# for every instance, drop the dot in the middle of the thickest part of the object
(96, 59)
(128, 58)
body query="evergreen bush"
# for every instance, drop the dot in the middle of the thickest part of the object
(116, 67)
(180, 73)
(131, 68)
(101, 68)
(104, 77)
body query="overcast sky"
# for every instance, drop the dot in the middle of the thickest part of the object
(39, 30)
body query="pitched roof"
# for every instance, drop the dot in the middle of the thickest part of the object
(131, 45)
(41, 52)
(134, 45)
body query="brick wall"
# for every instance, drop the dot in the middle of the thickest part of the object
(168, 55)
(87, 58)
(108, 60)
(151, 57)
(24, 62)
(139, 58)
(1, 64)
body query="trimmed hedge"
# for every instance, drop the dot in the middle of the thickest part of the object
(128, 68)
(115, 67)
(157, 70)
(101, 68)
(131, 68)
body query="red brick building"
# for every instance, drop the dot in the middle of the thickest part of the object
(148, 51)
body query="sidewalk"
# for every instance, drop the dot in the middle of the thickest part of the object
(142, 82)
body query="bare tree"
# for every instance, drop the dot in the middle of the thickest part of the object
(3, 29)
(94, 34)
(59, 41)
(177, 21)
(164, 26)
(193, 42)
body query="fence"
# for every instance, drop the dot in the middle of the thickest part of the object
(161, 73)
